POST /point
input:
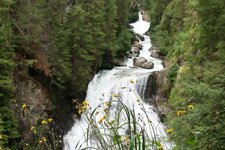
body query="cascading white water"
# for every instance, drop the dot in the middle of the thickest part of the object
(121, 81)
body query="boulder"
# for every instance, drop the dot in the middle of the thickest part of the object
(143, 63)
(147, 65)
(136, 47)
(137, 44)
(139, 61)
(141, 37)
(145, 16)
(135, 50)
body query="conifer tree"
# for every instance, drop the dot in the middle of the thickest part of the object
(8, 124)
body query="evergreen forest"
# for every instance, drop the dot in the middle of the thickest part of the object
(51, 49)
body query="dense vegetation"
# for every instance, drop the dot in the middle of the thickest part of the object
(63, 44)
(8, 124)
(59, 44)
(191, 35)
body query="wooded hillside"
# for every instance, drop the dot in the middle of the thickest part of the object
(191, 35)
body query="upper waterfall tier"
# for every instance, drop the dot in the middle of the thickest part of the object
(140, 26)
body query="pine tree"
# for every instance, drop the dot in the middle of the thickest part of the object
(8, 125)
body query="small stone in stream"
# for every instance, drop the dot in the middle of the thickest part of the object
(154, 55)
(133, 55)
(154, 49)
(141, 37)
(135, 50)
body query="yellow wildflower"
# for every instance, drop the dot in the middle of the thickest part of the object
(131, 81)
(44, 139)
(43, 122)
(50, 120)
(35, 132)
(169, 131)
(115, 95)
(126, 138)
(85, 103)
(32, 128)
(24, 106)
(160, 148)
(101, 119)
(190, 106)
(80, 111)
(181, 112)
(107, 103)
(40, 141)
(84, 107)
(105, 110)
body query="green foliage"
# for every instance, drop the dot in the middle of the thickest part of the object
(73, 37)
(191, 33)
(211, 21)
(124, 43)
(171, 23)
(88, 31)
(133, 13)
(8, 124)
(8, 128)
(156, 9)
(31, 25)
(172, 75)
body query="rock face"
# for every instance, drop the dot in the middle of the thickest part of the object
(32, 102)
(156, 92)
(32, 105)
(143, 63)
(151, 87)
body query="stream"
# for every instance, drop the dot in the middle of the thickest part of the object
(124, 85)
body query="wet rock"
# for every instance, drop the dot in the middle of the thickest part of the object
(133, 55)
(154, 55)
(135, 50)
(119, 62)
(141, 37)
(145, 16)
(139, 61)
(156, 92)
(147, 65)
(154, 49)
(151, 87)
(143, 63)
(137, 45)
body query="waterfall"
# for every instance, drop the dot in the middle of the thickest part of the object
(126, 84)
